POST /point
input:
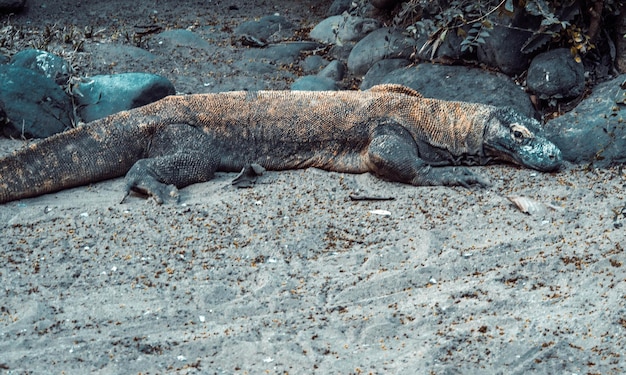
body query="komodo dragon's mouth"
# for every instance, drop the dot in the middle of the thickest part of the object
(539, 154)
(512, 137)
(542, 155)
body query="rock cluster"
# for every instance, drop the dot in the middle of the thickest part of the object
(37, 100)
(593, 132)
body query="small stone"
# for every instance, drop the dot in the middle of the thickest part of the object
(335, 70)
(313, 64)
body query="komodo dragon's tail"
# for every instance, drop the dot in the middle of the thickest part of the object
(104, 149)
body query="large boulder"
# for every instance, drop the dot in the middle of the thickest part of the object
(502, 49)
(380, 69)
(265, 27)
(343, 28)
(595, 131)
(44, 63)
(555, 74)
(33, 105)
(117, 57)
(378, 45)
(178, 38)
(462, 84)
(100, 96)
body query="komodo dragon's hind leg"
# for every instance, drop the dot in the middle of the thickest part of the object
(394, 155)
(178, 156)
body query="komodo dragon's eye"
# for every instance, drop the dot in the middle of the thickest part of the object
(521, 133)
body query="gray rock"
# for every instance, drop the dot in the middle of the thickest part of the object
(341, 52)
(119, 55)
(343, 28)
(314, 83)
(34, 105)
(339, 6)
(265, 27)
(182, 38)
(385, 4)
(313, 64)
(447, 51)
(45, 63)
(284, 53)
(100, 96)
(335, 70)
(463, 84)
(503, 48)
(378, 45)
(595, 131)
(380, 69)
(7, 6)
(555, 74)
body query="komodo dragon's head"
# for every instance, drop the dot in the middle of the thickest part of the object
(512, 137)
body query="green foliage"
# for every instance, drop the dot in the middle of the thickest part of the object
(558, 21)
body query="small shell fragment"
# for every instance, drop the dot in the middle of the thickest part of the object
(531, 206)
(380, 212)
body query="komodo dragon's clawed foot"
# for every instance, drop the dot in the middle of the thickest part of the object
(248, 176)
(143, 181)
(160, 192)
(451, 176)
(394, 154)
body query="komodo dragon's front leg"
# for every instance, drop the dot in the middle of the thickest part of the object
(178, 155)
(394, 155)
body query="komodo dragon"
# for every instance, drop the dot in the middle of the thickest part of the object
(389, 130)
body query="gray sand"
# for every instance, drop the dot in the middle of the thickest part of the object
(292, 276)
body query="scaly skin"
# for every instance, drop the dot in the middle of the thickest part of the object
(389, 130)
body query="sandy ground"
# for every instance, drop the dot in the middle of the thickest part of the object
(294, 277)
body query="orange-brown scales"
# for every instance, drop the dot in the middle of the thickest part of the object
(389, 130)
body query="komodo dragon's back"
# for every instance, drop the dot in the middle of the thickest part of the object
(389, 130)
